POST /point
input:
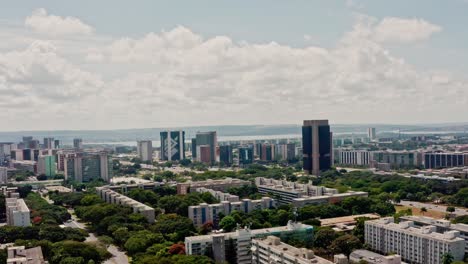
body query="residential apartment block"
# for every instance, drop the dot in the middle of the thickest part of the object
(113, 197)
(217, 185)
(235, 247)
(21, 255)
(17, 212)
(301, 194)
(221, 196)
(354, 157)
(441, 226)
(204, 213)
(421, 245)
(272, 250)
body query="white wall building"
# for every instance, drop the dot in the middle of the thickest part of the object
(354, 157)
(271, 250)
(17, 212)
(415, 245)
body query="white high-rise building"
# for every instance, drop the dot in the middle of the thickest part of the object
(420, 245)
(3, 175)
(371, 133)
(354, 157)
(145, 150)
(17, 212)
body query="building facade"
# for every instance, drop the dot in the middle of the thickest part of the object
(246, 156)
(444, 160)
(316, 146)
(217, 185)
(145, 150)
(172, 145)
(88, 166)
(206, 139)
(371, 133)
(225, 155)
(17, 212)
(235, 247)
(271, 250)
(46, 165)
(78, 143)
(354, 157)
(3, 175)
(421, 245)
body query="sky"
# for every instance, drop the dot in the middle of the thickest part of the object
(112, 64)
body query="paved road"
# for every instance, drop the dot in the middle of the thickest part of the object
(440, 208)
(118, 257)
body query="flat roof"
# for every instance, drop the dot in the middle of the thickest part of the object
(345, 219)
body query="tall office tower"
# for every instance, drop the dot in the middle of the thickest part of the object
(225, 155)
(246, 155)
(145, 150)
(77, 143)
(193, 147)
(316, 146)
(56, 144)
(48, 143)
(207, 139)
(267, 152)
(204, 154)
(27, 141)
(172, 145)
(5, 153)
(371, 133)
(46, 165)
(34, 144)
(3, 175)
(88, 166)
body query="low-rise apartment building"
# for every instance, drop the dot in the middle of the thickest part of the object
(300, 194)
(221, 196)
(17, 212)
(366, 256)
(441, 226)
(272, 250)
(420, 245)
(235, 247)
(21, 255)
(113, 197)
(204, 213)
(217, 185)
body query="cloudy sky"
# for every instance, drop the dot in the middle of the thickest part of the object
(133, 64)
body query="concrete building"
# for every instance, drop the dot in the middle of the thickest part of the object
(17, 212)
(235, 247)
(301, 195)
(271, 250)
(371, 133)
(78, 143)
(360, 255)
(204, 154)
(316, 146)
(172, 145)
(88, 166)
(204, 213)
(113, 197)
(441, 225)
(422, 245)
(221, 196)
(217, 185)
(3, 175)
(5, 153)
(267, 152)
(396, 159)
(206, 139)
(145, 150)
(345, 223)
(440, 160)
(354, 157)
(285, 151)
(21, 255)
(48, 143)
(46, 165)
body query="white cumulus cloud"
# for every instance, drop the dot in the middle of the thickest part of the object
(399, 30)
(44, 23)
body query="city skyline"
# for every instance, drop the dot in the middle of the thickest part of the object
(388, 63)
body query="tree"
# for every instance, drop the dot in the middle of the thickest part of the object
(177, 249)
(228, 223)
(41, 177)
(447, 258)
(450, 209)
(325, 237)
(423, 210)
(358, 231)
(345, 244)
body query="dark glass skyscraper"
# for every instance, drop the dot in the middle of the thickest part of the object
(206, 138)
(172, 145)
(316, 146)
(246, 155)
(225, 155)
